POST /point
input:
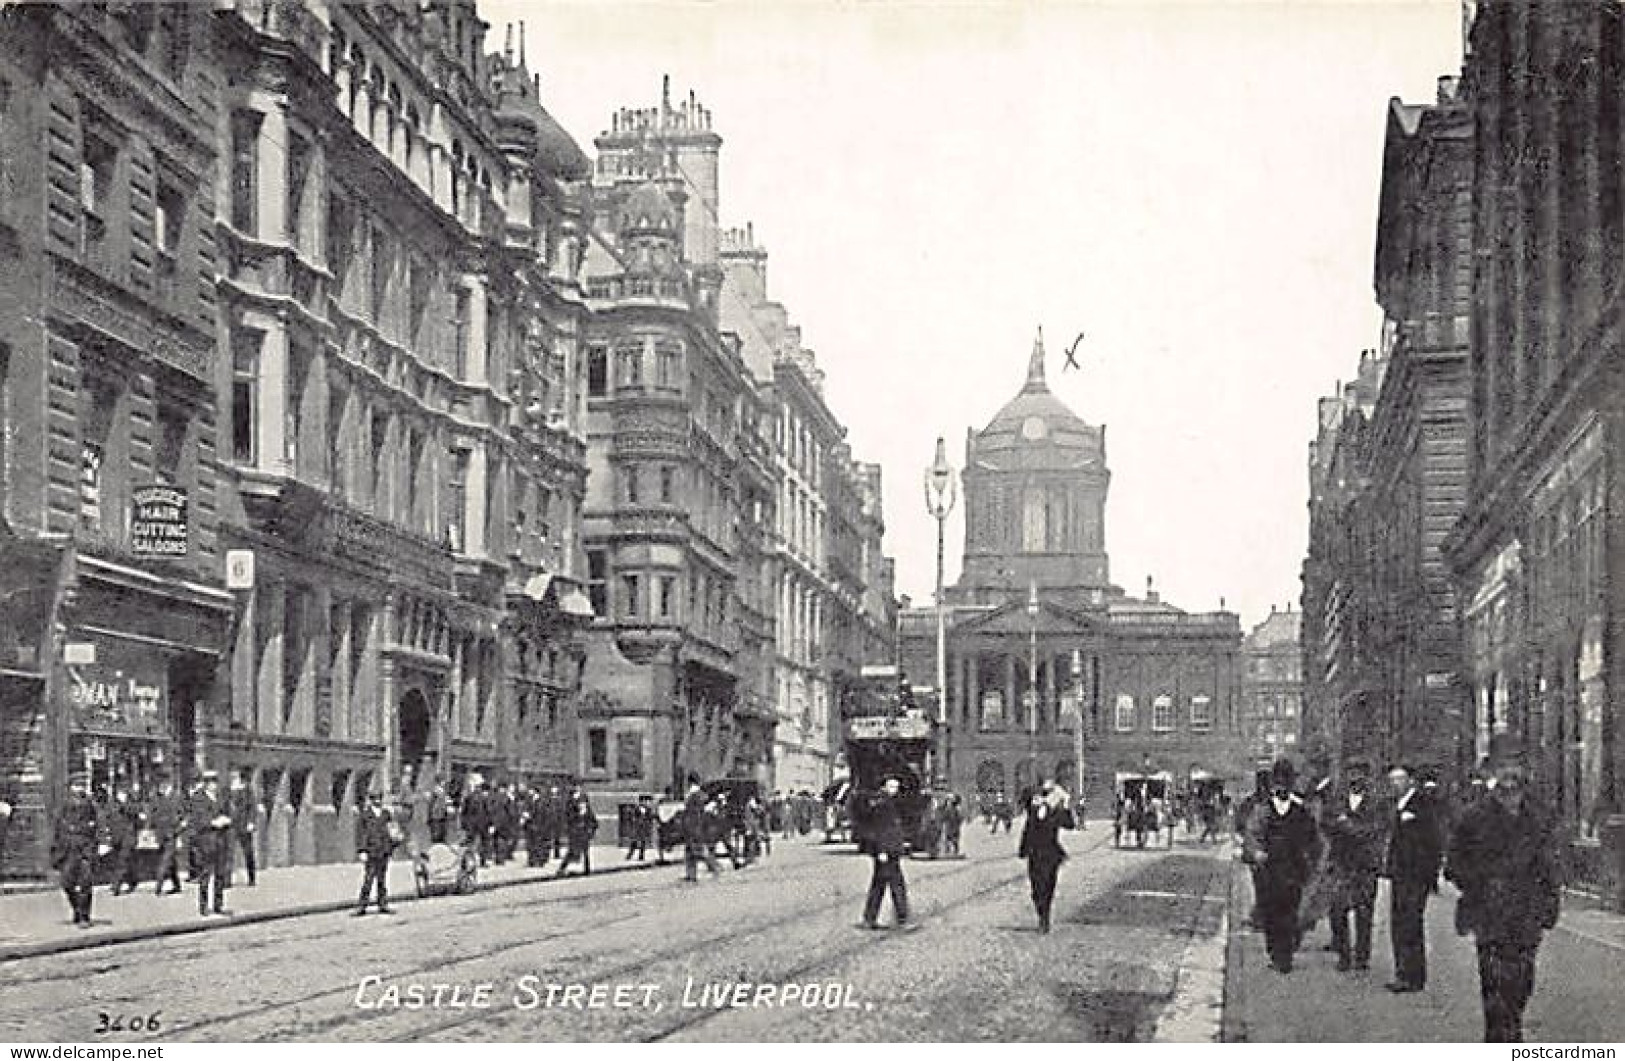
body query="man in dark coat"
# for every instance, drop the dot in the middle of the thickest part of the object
(505, 817)
(1047, 815)
(439, 812)
(76, 842)
(580, 828)
(1502, 858)
(696, 835)
(1287, 847)
(1353, 827)
(1249, 813)
(245, 811)
(1415, 849)
(886, 844)
(167, 814)
(478, 819)
(209, 821)
(125, 821)
(641, 823)
(375, 838)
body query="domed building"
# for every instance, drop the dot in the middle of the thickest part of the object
(1038, 635)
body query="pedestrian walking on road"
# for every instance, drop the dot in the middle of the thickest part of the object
(1048, 814)
(1287, 847)
(886, 845)
(1415, 850)
(208, 820)
(76, 843)
(580, 827)
(1502, 858)
(1353, 827)
(640, 823)
(696, 834)
(376, 835)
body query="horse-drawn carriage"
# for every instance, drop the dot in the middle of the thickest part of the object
(1143, 807)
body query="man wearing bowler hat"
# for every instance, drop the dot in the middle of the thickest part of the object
(1287, 847)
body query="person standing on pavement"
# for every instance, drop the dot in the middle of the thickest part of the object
(1502, 858)
(478, 827)
(209, 818)
(1040, 845)
(886, 845)
(376, 835)
(166, 816)
(580, 828)
(439, 812)
(1415, 850)
(76, 843)
(1287, 847)
(245, 811)
(123, 825)
(1353, 827)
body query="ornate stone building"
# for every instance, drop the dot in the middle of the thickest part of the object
(680, 480)
(408, 459)
(339, 242)
(114, 621)
(1539, 548)
(1039, 637)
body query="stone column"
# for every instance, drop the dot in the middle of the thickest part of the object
(244, 686)
(1046, 679)
(271, 394)
(271, 169)
(268, 700)
(342, 680)
(1012, 714)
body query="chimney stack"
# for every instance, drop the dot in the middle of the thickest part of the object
(1449, 87)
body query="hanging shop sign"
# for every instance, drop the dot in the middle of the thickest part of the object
(158, 525)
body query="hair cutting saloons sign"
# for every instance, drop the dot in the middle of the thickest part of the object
(158, 521)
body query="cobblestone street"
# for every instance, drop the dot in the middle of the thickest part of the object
(976, 969)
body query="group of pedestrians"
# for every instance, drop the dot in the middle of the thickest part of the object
(201, 828)
(555, 822)
(744, 830)
(1319, 851)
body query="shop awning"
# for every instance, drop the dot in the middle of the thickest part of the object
(576, 603)
(536, 588)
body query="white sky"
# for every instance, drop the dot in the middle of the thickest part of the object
(1194, 186)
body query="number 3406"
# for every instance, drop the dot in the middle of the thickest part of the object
(107, 1023)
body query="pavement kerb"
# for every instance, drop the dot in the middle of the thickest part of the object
(17, 951)
(1233, 1028)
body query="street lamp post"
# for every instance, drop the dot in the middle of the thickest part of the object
(1077, 685)
(939, 501)
(1032, 681)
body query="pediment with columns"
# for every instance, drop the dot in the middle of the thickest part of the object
(1012, 619)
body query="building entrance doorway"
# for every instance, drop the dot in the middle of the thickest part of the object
(412, 731)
